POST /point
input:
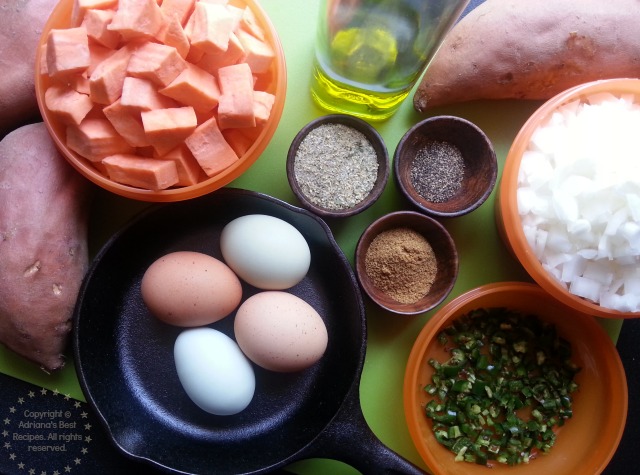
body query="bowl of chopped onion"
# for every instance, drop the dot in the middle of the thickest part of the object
(568, 204)
(506, 379)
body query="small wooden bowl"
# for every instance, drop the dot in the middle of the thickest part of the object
(480, 165)
(444, 249)
(378, 145)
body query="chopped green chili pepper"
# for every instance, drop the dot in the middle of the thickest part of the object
(506, 386)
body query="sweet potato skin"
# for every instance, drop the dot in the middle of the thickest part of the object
(21, 25)
(43, 245)
(514, 49)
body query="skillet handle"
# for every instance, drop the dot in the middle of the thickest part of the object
(349, 439)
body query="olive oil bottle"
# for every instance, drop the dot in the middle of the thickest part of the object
(370, 53)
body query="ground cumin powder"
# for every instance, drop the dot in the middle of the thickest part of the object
(401, 263)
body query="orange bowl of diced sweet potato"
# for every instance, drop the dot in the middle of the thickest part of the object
(160, 101)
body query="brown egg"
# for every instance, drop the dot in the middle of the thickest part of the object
(280, 332)
(189, 289)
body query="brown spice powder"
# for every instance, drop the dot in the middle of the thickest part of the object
(401, 263)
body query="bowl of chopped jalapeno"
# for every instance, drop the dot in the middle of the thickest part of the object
(504, 376)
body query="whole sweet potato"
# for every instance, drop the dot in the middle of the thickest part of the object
(21, 24)
(533, 49)
(43, 245)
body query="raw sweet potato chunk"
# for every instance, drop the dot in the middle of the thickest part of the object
(127, 123)
(178, 9)
(257, 53)
(67, 51)
(167, 128)
(96, 22)
(189, 171)
(210, 149)
(194, 87)
(70, 106)
(137, 19)
(236, 107)
(158, 63)
(107, 80)
(95, 139)
(142, 95)
(212, 25)
(173, 34)
(148, 173)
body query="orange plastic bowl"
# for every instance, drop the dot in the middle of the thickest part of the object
(587, 441)
(275, 83)
(508, 220)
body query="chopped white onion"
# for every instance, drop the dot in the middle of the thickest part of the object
(579, 198)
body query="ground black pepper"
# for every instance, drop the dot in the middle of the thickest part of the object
(335, 166)
(401, 263)
(437, 171)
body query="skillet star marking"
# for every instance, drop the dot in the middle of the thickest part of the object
(38, 425)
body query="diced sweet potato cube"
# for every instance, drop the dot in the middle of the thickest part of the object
(81, 6)
(250, 24)
(234, 78)
(189, 170)
(67, 51)
(211, 27)
(194, 87)
(79, 83)
(159, 63)
(98, 53)
(234, 54)
(107, 79)
(70, 106)
(96, 21)
(236, 14)
(95, 139)
(137, 19)
(262, 105)
(241, 140)
(148, 173)
(258, 54)
(178, 9)
(142, 95)
(167, 128)
(235, 108)
(195, 54)
(127, 123)
(210, 149)
(173, 34)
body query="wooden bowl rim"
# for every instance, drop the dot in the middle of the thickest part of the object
(381, 152)
(457, 206)
(443, 245)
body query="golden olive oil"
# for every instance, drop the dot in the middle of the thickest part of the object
(370, 53)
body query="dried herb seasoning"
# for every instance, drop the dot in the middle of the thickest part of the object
(335, 166)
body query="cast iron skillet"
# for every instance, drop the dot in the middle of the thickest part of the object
(125, 364)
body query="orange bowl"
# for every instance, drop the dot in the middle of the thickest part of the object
(508, 219)
(587, 441)
(275, 82)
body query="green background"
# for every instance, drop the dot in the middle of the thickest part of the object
(483, 258)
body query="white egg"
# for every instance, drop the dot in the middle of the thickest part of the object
(213, 371)
(265, 251)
